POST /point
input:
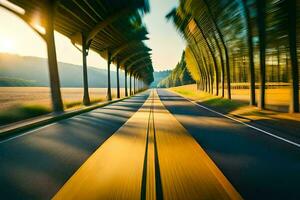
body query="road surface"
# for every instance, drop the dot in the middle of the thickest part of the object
(259, 166)
(35, 165)
(164, 147)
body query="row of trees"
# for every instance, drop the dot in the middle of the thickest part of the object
(114, 30)
(179, 75)
(241, 42)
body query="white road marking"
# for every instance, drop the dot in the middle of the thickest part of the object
(52, 123)
(26, 133)
(246, 124)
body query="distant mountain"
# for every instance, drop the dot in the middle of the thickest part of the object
(158, 76)
(33, 71)
(16, 82)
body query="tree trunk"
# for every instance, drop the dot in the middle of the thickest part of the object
(57, 103)
(86, 96)
(278, 64)
(200, 70)
(234, 69)
(134, 89)
(225, 49)
(213, 57)
(292, 15)
(251, 70)
(130, 91)
(287, 71)
(126, 89)
(261, 7)
(206, 73)
(118, 80)
(210, 76)
(109, 98)
(222, 65)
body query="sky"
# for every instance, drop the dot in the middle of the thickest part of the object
(165, 42)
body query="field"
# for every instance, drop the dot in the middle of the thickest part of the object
(19, 103)
(13, 96)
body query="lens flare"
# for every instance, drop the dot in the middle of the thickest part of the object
(7, 45)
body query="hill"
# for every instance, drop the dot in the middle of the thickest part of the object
(18, 70)
(158, 76)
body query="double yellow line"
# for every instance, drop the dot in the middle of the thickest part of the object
(152, 156)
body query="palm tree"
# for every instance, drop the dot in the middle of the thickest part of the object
(250, 52)
(292, 16)
(52, 60)
(182, 21)
(261, 10)
(108, 96)
(212, 17)
(118, 79)
(86, 97)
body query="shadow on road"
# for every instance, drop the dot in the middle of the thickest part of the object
(35, 165)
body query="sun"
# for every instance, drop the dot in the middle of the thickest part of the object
(7, 45)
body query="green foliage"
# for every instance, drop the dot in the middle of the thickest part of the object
(158, 76)
(206, 24)
(22, 112)
(192, 64)
(224, 105)
(179, 76)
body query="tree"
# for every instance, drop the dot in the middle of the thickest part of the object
(250, 53)
(292, 15)
(261, 10)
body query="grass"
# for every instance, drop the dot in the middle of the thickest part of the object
(225, 105)
(20, 103)
(234, 107)
(78, 104)
(22, 112)
(93, 101)
(72, 104)
(287, 123)
(25, 111)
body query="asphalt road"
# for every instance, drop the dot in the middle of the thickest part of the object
(151, 156)
(258, 166)
(36, 164)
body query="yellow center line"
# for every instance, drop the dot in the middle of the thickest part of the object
(186, 170)
(150, 172)
(114, 170)
(151, 156)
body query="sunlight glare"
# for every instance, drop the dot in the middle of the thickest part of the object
(6, 45)
(36, 23)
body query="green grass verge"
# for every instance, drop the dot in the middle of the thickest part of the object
(78, 104)
(222, 104)
(225, 105)
(72, 104)
(14, 131)
(22, 112)
(93, 101)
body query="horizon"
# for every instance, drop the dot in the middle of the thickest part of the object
(62, 62)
